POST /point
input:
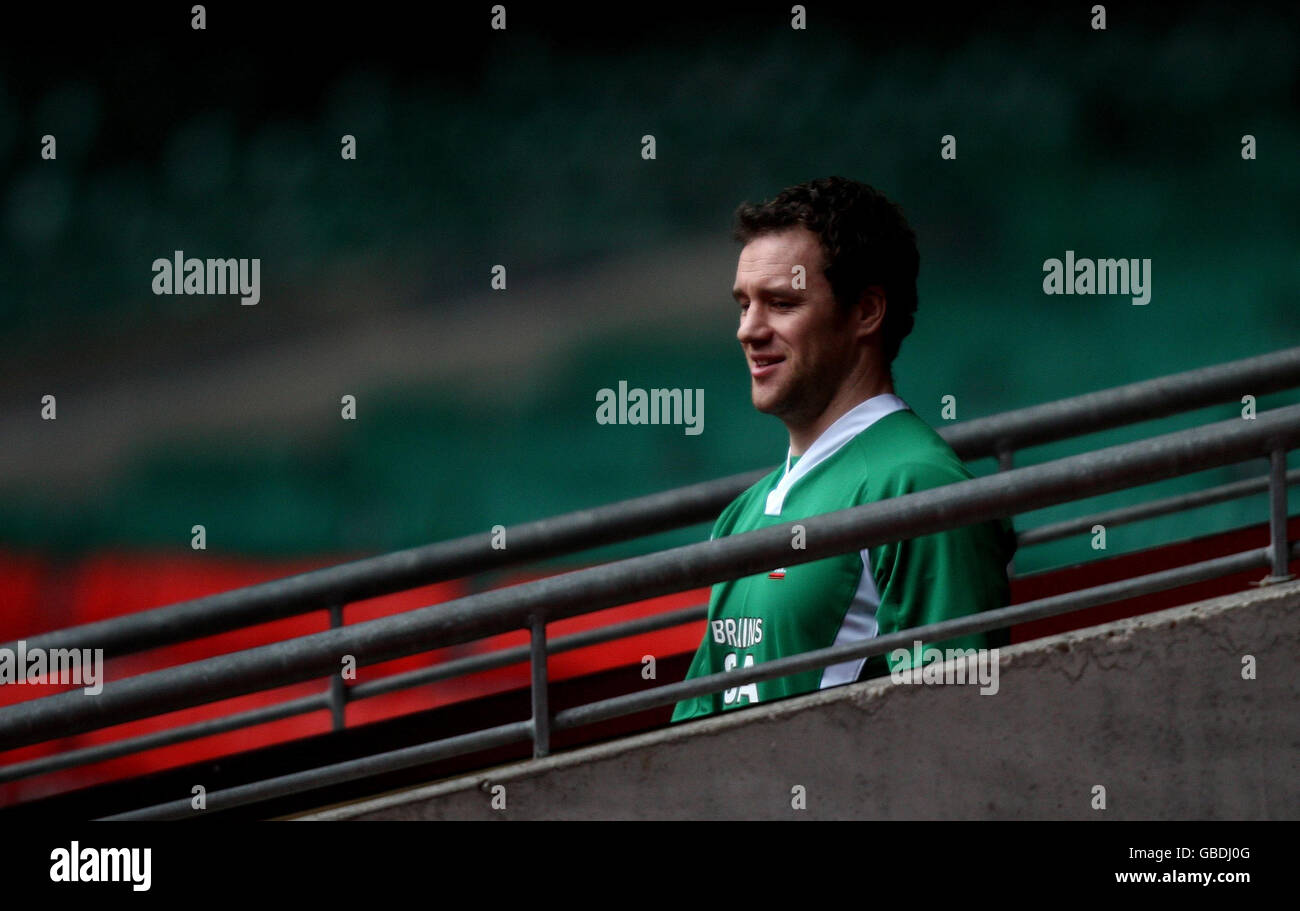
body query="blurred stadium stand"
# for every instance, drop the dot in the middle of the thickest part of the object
(376, 270)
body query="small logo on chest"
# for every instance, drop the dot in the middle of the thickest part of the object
(776, 574)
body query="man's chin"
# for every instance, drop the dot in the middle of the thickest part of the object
(766, 405)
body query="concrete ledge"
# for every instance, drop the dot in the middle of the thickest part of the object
(1153, 709)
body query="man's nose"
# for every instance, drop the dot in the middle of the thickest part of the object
(753, 325)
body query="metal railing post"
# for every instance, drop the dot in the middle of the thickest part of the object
(1277, 495)
(1005, 463)
(541, 709)
(338, 692)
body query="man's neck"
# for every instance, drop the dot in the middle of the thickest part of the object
(802, 438)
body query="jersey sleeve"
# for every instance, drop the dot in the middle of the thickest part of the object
(940, 576)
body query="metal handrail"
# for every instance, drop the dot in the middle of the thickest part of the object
(1151, 509)
(457, 667)
(502, 735)
(402, 570)
(637, 578)
(998, 435)
(478, 663)
(473, 664)
(1128, 404)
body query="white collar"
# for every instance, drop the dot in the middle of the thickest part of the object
(845, 428)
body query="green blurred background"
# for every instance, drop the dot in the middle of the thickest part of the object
(477, 407)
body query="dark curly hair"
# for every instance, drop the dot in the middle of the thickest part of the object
(864, 238)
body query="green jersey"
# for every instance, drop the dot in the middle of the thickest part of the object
(877, 450)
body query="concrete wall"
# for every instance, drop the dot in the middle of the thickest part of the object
(1154, 709)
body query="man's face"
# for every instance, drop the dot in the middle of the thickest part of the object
(799, 344)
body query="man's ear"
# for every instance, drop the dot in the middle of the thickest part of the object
(870, 312)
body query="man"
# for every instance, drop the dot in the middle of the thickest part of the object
(826, 284)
